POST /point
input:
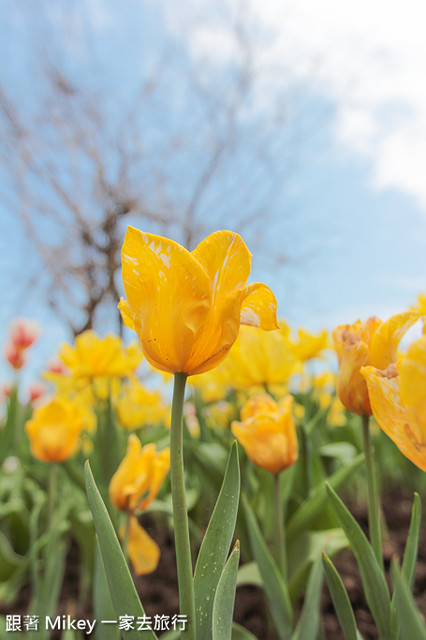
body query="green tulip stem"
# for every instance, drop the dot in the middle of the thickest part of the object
(127, 516)
(373, 498)
(53, 471)
(180, 514)
(279, 526)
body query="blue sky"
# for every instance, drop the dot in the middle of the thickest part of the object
(352, 215)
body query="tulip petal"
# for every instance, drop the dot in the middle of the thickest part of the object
(351, 386)
(169, 297)
(393, 417)
(226, 260)
(138, 479)
(412, 371)
(385, 340)
(259, 308)
(126, 315)
(143, 551)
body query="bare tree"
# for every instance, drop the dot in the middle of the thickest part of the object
(181, 155)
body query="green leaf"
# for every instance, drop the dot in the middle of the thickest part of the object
(9, 560)
(309, 620)
(211, 455)
(215, 546)
(249, 574)
(340, 598)
(9, 431)
(103, 608)
(240, 633)
(122, 590)
(343, 451)
(109, 445)
(376, 591)
(410, 553)
(315, 505)
(410, 624)
(273, 582)
(223, 607)
(306, 549)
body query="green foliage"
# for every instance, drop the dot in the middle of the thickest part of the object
(410, 624)
(341, 602)
(372, 576)
(275, 588)
(223, 607)
(124, 597)
(215, 547)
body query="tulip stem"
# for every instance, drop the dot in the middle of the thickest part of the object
(279, 526)
(373, 498)
(52, 491)
(180, 514)
(126, 535)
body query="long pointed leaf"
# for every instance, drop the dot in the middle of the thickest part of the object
(410, 625)
(376, 591)
(340, 598)
(223, 607)
(241, 633)
(316, 503)
(215, 546)
(103, 608)
(410, 553)
(308, 624)
(122, 590)
(273, 583)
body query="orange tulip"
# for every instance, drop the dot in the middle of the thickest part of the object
(267, 433)
(372, 342)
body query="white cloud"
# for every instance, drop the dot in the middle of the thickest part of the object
(368, 57)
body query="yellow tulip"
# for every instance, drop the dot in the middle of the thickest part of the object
(143, 551)
(267, 433)
(372, 342)
(310, 345)
(336, 416)
(398, 401)
(420, 308)
(138, 407)
(211, 385)
(133, 487)
(139, 477)
(186, 307)
(94, 357)
(257, 359)
(54, 430)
